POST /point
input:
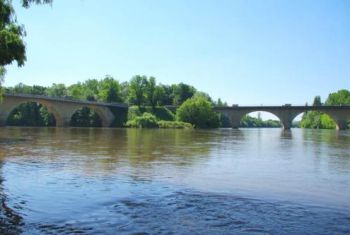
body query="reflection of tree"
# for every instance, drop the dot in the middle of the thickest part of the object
(10, 221)
(106, 151)
(180, 147)
(333, 144)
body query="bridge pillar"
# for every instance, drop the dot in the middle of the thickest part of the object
(287, 116)
(235, 117)
(341, 124)
(63, 122)
(287, 124)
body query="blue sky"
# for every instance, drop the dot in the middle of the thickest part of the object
(246, 52)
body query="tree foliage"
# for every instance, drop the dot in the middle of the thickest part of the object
(27, 3)
(137, 90)
(319, 120)
(199, 112)
(341, 97)
(12, 47)
(248, 121)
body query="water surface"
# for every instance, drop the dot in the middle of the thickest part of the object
(129, 181)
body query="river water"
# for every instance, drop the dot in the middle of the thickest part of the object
(133, 181)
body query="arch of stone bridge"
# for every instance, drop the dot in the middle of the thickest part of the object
(62, 111)
(340, 117)
(285, 116)
(6, 108)
(104, 113)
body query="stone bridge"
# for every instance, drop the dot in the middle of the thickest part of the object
(62, 108)
(287, 113)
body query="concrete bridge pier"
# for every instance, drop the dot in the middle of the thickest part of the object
(341, 124)
(286, 117)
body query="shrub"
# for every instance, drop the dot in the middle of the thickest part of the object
(161, 113)
(199, 112)
(147, 120)
(133, 112)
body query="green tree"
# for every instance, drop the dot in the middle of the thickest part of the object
(137, 90)
(316, 119)
(109, 90)
(90, 89)
(12, 47)
(199, 112)
(27, 3)
(341, 97)
(219, 103)
(124, 91)
(154, 93)
(57, 90)
(166, 95)
(317, 101)
(182, 92)
(76, 91)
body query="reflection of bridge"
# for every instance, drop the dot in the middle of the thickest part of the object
(62, 108)
(287, 113)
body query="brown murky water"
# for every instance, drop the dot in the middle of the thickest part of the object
(128, 181)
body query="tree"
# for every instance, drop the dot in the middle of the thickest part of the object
(137, 90)
(12, 47)
(219, 103)
(317, 101)
(182, 92)
(150, 91)
(57, 90)
(341, 97)
(166, 95)
(154, 94)
(199, 112)
(27, 3)
(124, 90)
(109, 90)
(317, 119)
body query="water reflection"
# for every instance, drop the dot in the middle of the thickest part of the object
(11, 221)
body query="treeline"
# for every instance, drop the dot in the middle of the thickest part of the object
(319, 120)
(252, 122)
(140, 91)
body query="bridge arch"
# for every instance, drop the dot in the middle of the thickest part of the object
(20, 104)
(85, 117)
(341, 119)
(316, 120)
(260, 119)
(236, 114)
(91, 116)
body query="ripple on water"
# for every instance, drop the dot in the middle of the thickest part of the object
(200, 213)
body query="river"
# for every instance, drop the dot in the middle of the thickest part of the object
(134, 181)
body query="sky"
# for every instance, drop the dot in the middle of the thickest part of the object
(248, 52)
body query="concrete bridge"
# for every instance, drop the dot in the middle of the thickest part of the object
(62, 108)
(287, 113)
